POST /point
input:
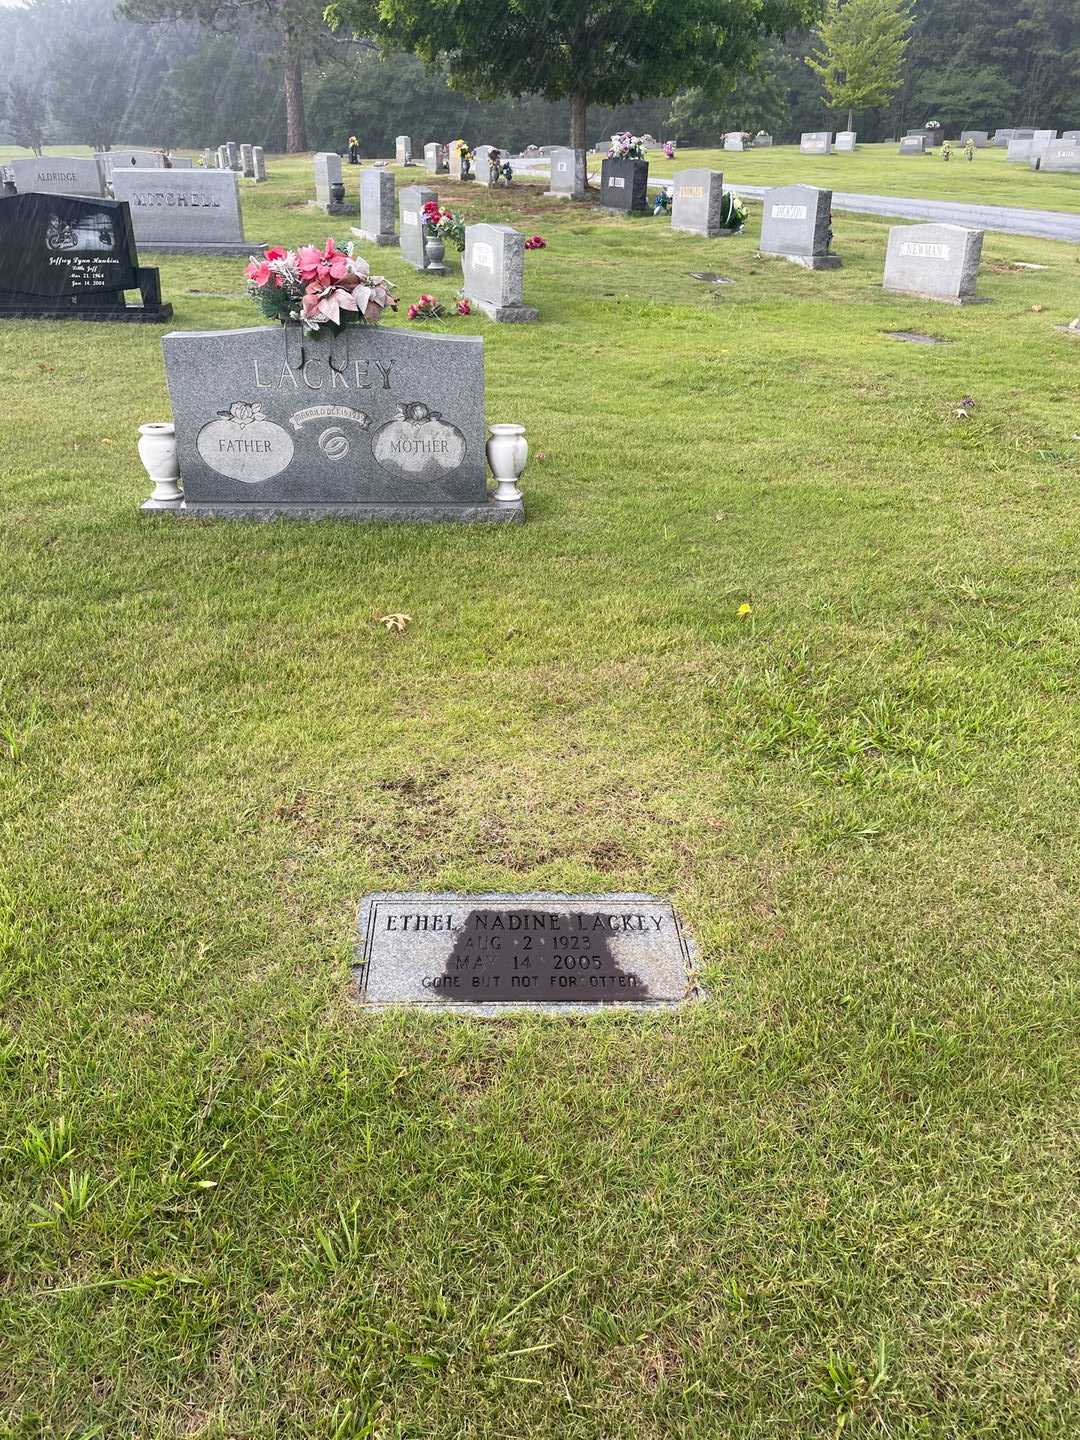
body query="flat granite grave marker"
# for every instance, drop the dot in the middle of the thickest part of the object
(487, 954)
(567, 173)
(796, 222)
(816, 142)
(58, 175)
(696, 199)
(934, 262)
(371, 424)
(493, 265)
(185, 212)
(71, 257)
(377, 208)
(411, 202)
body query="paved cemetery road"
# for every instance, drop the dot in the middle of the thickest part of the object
(1013, 220)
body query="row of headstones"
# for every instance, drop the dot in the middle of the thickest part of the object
(83, 174)
(246, 160)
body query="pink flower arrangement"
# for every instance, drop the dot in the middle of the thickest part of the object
(669, 149)
(536, 242)
(316, 287)
(463, 307)
(426, 307)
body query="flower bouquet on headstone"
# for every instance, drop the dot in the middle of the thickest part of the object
(443, 224)
(625, 146)
(669, 149)
(662, 202)
(732, 211)
(318, 289)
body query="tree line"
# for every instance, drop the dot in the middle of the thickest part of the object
(293, 74)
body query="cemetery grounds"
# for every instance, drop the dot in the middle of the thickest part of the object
(791, 637)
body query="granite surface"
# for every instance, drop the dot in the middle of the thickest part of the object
(696, 199)
(796, 221)
(934, 262)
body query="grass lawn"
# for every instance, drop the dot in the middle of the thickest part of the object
(837, 1198)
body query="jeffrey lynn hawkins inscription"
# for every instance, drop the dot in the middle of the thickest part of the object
(482, 953)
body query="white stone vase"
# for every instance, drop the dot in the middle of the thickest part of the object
(507, 454)
(157, 451)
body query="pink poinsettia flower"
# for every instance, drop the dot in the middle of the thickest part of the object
(324, 266)
(276, 252)
(327, 303)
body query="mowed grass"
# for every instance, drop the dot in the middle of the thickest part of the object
(836, 1198)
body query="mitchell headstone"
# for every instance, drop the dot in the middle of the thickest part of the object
(567, 173)
(71, 257)
(980, 138)
(489, 953)
(913, 145)
(377, 207)
(411, 202)
(934, 262)
(796, 222)
(696, 198)
(327, 165)
(372, 424)
(185, 212)
(57, 175)
(435, 162)
(247, 164)
(403, 150)
(494, 269)
(258, 162)
(845, 141)
(816, 142)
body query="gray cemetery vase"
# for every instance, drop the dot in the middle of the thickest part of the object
(624, 185)
(377, 202)
(696, 197)
(58, 175)
(567, 173)
(494, 269)
(796, 222)
(816, 142)
(411, 201)
(371, 424)
(185, 212)
(934, 262)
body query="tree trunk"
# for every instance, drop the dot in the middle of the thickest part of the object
(579, 104)
(850, 119)
(295, 124)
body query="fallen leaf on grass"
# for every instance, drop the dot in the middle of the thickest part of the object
(1037, 309)
(395, 621)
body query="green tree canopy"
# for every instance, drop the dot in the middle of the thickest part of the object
(861, 52)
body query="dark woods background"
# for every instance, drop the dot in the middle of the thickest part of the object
(95, 78)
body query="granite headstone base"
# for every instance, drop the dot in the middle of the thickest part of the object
(204, 247)
(387, 512)
(813, 262)
(506, 314)
(331, 208)
(378, 237)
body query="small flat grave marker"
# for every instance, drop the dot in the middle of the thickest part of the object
(485, 954)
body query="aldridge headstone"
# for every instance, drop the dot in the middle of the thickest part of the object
(567, 173)
(185, 211)
(696, 198)
(494, 268)
(934, 262)
(372, 424)
(58, 175)
(796, 222)
(377, 207)
(483, 954)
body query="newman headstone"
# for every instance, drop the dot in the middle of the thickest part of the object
(58, 175)
(934, 262)
(411, 202)
(796, 222)
(845, 141)
(247, 164)
(403, 150)
(494, 269)
(435, 162)
(72, 257)
(567, 173)
(258, 162)
(816, 142)
(377, 207)
(489, 954)
(185, 212)
(375, 423)
(696, 198)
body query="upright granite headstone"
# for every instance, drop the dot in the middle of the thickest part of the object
(209, 159)
(1020, 147)
(1062, 157)
(222, 158)
(762, 139)
(435, 162)
(456, 161)
(494, 271)
(377, 207)
(934, 262)
(816, 142)
(57, 175)
(482, 164)
(403, 150)
(258, 163)
(372, 424)
(913, 145)
(696, 198)
(1070, 137)
(232, 154)
(796, 222)
(845, 141)
(327, 165)
(411, 202)
(489, 953)
(180, 162)
(132, 160)
(567, 173)
(979, 138)
(71, 257)
(185, 212)
(1000, 139)
(624, 185)
(247, 164)
(932, 137)
(734, 140)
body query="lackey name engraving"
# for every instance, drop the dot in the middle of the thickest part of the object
(479, 951)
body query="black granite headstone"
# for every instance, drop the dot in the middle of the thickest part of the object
(624, 185)
(72, 257)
